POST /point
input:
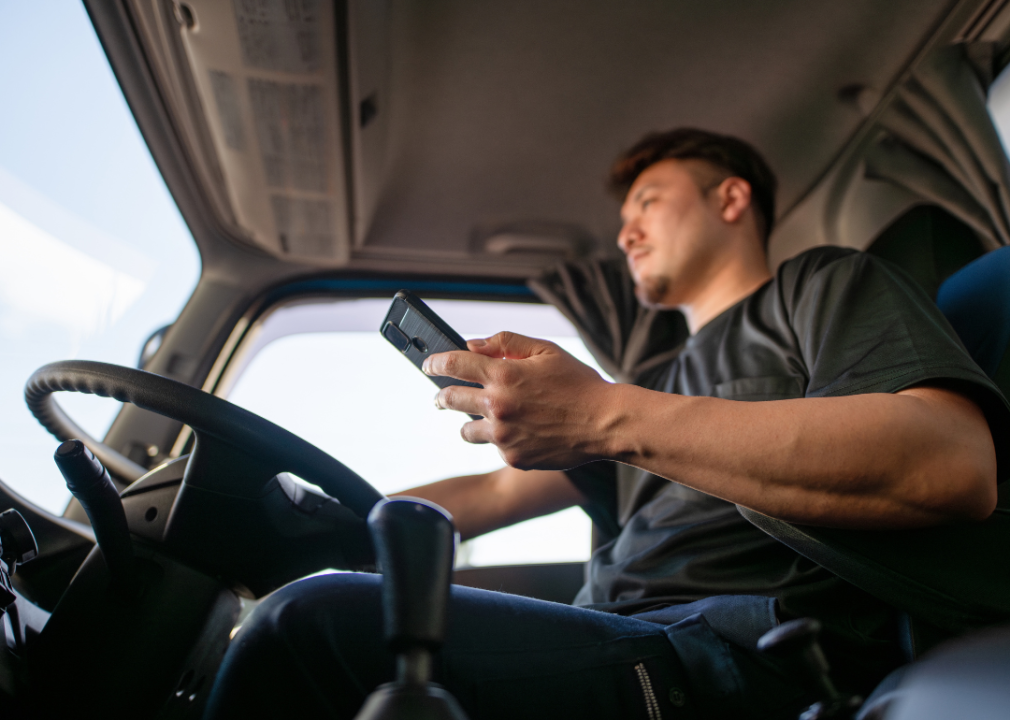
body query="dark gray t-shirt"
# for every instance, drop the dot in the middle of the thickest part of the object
(832, 322)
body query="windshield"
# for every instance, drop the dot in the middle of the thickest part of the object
(94, 255)
(322, 370)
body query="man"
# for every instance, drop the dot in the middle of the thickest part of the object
(872, 417)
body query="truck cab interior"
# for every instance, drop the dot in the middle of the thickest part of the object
(324, 155)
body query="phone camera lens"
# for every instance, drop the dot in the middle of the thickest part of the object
(419, 344)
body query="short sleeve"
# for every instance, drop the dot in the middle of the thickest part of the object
(598, 482)
(863, 326)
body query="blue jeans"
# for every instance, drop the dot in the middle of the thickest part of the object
(315, 649)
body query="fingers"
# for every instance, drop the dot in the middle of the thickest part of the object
(478, 345)
(476, 432)
(474, 366)
(462, 398)
(509, 345)
(458, 364)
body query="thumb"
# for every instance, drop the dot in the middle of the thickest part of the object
(508, 345)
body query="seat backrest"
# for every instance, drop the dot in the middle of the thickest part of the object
(976, 301)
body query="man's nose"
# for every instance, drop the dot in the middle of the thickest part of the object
(628, 236)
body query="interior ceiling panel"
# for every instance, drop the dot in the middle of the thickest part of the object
(469, 137)
(513, 111)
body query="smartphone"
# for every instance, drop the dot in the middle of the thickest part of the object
(415, 330)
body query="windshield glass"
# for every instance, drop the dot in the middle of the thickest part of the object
(322, 370)
(94, 255)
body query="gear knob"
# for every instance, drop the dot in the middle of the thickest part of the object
(795, 644)
(415, 543)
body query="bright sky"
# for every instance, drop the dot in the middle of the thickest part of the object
(93, 253)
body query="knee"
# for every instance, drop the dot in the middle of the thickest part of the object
(315, 644)
(323, 603)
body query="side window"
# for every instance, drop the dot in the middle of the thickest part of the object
(999, 106)
(321, 370)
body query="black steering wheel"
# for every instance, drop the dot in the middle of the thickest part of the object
(222, 513)
(208, 415)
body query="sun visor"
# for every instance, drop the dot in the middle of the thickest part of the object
(266, 76)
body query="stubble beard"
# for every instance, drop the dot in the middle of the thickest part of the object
(651, 291)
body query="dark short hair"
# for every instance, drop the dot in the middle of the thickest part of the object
(728, 153)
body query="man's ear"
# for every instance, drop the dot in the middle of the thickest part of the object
(734, 198)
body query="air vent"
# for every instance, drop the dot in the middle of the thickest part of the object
(266, 74)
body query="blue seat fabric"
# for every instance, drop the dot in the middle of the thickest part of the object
(976, 301)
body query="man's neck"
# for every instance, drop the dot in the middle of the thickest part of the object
(724, 290)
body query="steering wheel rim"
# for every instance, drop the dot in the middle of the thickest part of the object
(205, 413)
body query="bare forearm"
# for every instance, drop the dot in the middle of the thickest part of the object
(860, 461)
(919, 457)
(486, 502)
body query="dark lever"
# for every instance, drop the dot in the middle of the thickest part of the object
(17, 542)
(415, 543)
(17, 546)
(90, 483)
(795, 644)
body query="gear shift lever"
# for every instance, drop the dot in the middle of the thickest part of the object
(415, 543)
(795, 644)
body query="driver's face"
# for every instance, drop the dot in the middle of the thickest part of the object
(667, 232)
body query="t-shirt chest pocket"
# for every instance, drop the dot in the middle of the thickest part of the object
(771, 387)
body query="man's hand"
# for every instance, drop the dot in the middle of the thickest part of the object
(541, 407)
